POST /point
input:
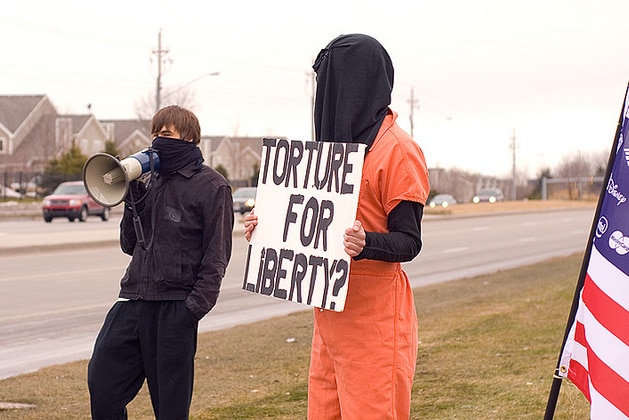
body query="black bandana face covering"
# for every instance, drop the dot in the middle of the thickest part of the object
(174, 154)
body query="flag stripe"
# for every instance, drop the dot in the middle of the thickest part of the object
(601, 409)
(600, 341)
(606, 311)
(598, 345)
(578, 372)
(603, 332)
(609, 278)
(580, 350)
(608, 383)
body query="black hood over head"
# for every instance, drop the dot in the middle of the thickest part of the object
(354, 85)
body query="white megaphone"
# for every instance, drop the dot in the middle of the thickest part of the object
(106, 178)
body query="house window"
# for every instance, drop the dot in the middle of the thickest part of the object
(2, 142)
(98, 146)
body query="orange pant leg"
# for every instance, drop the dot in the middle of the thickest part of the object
(323, 398)
(363, 359)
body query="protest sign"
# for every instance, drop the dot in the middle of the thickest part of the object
(307, 196)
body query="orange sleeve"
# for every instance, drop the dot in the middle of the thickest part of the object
(406, 172)
(394, 170)
(401, 169)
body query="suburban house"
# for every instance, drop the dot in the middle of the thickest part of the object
(32, 132)
(239, 156)
(27, 132)
(130, 136)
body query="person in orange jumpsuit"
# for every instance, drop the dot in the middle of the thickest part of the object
(363, 359)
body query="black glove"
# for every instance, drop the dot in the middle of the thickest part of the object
(136, 194)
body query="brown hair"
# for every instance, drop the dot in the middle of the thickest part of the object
(181, 119)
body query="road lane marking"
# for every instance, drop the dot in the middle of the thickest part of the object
(70, 274)
(453, 250)
(33, 315)
(480, 228)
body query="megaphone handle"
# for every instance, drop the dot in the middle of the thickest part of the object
(139, 232)
(137, 224)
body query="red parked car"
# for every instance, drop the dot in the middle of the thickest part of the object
(71, 200)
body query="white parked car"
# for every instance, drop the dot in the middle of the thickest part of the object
(442, 200)
(488, 195)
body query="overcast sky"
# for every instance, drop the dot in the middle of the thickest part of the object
(552, 71)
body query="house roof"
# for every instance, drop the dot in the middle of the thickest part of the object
(14, 109)
(78, 121)
(253, 142)
(124, 128)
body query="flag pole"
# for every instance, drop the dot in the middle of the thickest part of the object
(556, 384)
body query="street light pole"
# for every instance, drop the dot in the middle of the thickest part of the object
(161, 53)
(182, 94)
(414, 105)
(513, 171)
(215, 73)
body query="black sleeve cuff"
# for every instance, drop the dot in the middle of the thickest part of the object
(403, 241)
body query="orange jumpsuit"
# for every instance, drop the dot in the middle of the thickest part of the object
(363, 359)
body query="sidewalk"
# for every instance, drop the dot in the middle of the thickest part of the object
(39, 242)
(11, 243)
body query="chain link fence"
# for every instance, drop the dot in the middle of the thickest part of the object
(30, 184)
(578, 188)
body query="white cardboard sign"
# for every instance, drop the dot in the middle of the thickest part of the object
(307, 196)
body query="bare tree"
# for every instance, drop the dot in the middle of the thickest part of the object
(575, 167)
(184, 97)
(600, 162)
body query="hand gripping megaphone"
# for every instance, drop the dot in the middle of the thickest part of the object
(106, 178)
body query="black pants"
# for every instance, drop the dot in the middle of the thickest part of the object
(138, 340)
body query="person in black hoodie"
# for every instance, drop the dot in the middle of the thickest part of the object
(179, 234)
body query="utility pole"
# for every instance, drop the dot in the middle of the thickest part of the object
(414, 104)
(514, 194)
(161, 53)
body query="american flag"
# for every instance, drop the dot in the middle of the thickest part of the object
(595, 354)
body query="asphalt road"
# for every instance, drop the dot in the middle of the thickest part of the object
(54, 300)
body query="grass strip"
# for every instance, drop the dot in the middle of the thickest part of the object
(488, 348)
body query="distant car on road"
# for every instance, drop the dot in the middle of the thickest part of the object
(71, 200)
(244, 199)
(442, 200)
(488, 195)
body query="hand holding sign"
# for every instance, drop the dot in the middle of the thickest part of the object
(354, 239)
(251, 221)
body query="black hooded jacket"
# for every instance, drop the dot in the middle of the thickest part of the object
(188, 221)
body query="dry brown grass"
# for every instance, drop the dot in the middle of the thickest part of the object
(488, 350)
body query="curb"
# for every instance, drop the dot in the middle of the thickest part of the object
(39, 249)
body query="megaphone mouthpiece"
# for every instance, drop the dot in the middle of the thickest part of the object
(113, 176)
